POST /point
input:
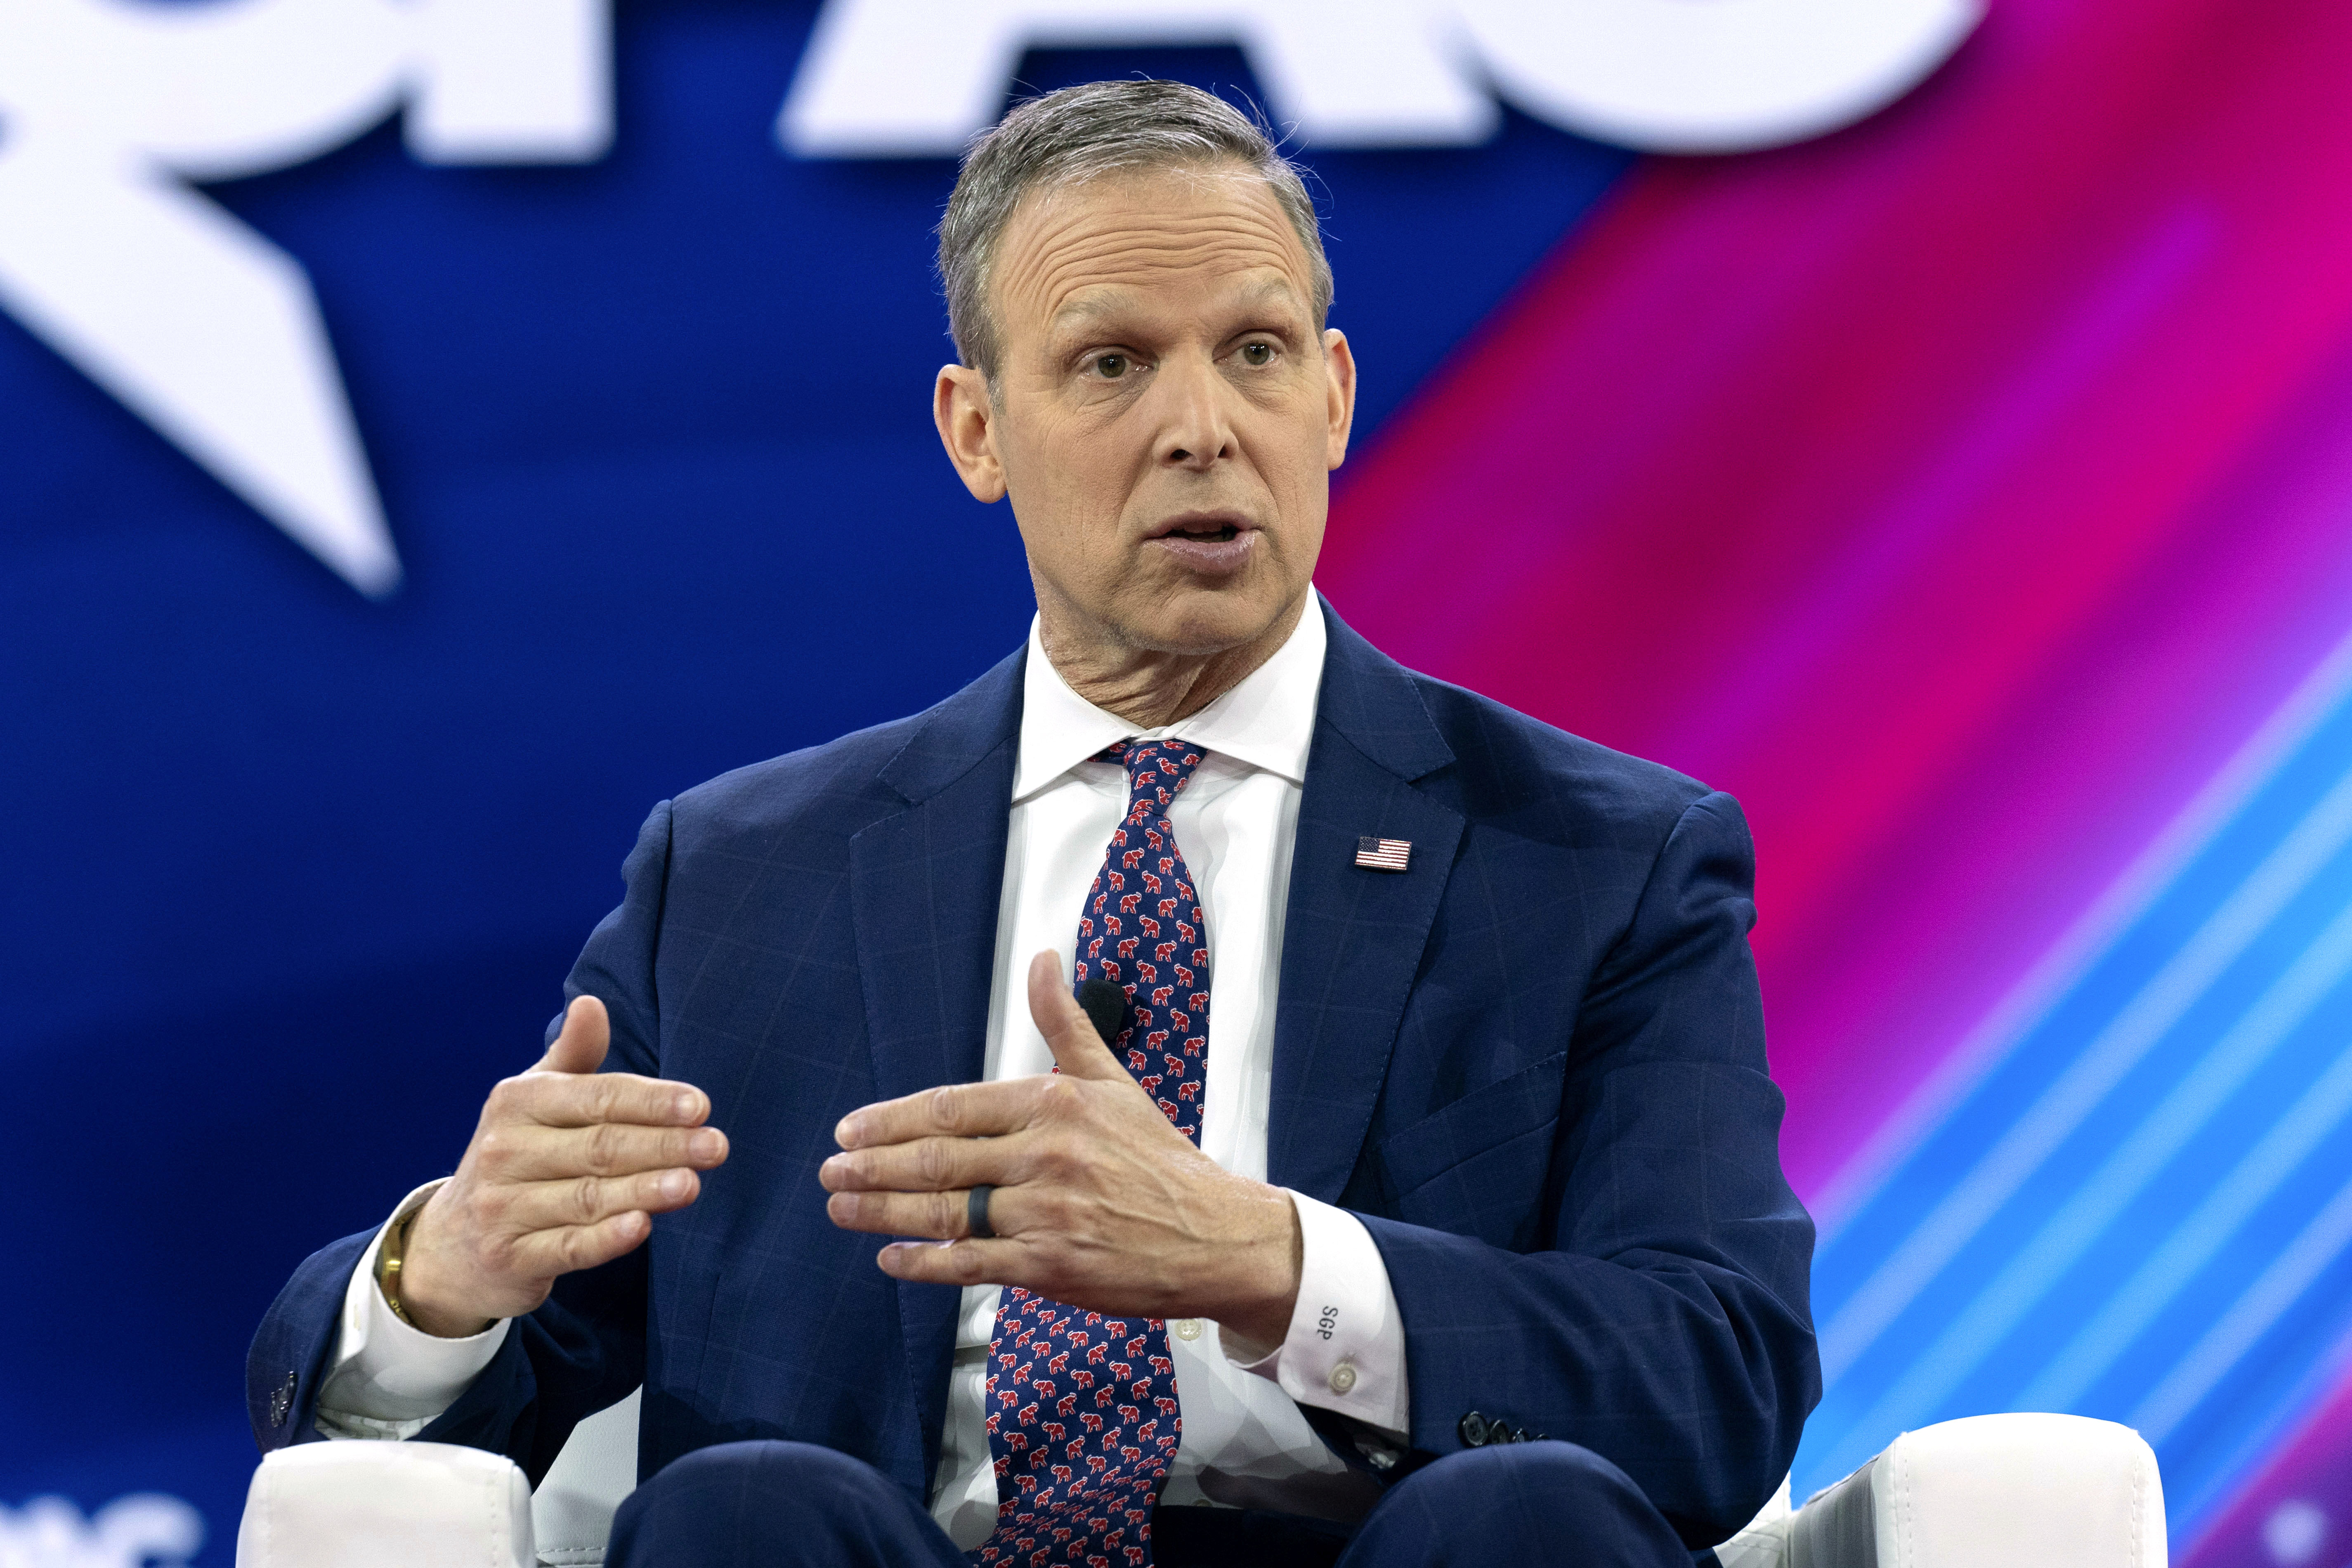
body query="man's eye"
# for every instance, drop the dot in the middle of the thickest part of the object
(1110, 367)
(1258, 354)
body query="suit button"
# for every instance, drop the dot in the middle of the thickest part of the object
(1187, 1327)
(1472, 1430)
(1343, 1378)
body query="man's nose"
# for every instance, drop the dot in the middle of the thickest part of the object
(1196, 426)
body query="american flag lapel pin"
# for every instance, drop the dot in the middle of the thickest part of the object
(1384, 854)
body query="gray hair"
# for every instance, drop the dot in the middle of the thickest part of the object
(1081, 133)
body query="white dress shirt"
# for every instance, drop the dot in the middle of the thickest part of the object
(1245, 1443)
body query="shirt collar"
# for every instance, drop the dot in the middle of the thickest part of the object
(1267, 722)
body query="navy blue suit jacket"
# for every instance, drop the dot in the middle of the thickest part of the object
(1533, 1064)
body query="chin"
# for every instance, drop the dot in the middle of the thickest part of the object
(1201, 619)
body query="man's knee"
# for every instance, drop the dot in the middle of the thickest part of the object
(771, 1502)
(790, 1469)
(1560, 1473)
(1518, 1497)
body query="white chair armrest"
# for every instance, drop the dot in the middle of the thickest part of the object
(385, 1505)
(1989, 1491)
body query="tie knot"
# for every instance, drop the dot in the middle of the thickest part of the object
(1156, 771)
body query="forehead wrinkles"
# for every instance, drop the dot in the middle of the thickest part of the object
(1059, 253)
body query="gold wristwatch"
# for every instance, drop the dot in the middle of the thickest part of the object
(388, 1260)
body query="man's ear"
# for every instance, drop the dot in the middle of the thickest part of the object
(1340, 396)
(966, 416)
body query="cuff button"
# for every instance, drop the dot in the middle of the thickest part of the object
(1187, 1327)
(1342, 1378)
(1472, 1430)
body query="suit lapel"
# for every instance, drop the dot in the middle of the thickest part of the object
(1352, 938)
(924, 884)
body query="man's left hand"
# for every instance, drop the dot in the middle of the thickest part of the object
(1099, 1201)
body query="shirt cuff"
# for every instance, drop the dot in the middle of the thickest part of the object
(1345, 1350)
(389, 1379)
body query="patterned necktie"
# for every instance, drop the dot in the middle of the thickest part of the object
(1082, 1418)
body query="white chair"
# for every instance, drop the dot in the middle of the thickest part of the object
(1991, 1491)
(373, 1505)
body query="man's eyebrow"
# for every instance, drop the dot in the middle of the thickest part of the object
(1093, 303)
(1267, 288)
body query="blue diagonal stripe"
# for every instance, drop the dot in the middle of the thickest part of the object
(2076, 1224)
(2033, 1138)
(2002, 1301)
(2095, 1347)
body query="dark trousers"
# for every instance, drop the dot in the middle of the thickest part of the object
(793, 1505)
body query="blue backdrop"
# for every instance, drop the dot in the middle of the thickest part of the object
(293, 876)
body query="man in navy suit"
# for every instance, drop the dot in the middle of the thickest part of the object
(1322, 1114)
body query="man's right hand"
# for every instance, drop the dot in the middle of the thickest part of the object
(566, 1171)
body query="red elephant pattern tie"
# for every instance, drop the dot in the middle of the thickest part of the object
(1082, 1417)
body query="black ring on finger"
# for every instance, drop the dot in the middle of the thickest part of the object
(975, 1214)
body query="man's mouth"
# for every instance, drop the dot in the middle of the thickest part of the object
(1214, 543)
(1208, 527)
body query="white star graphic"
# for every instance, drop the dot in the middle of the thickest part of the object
(202, 328)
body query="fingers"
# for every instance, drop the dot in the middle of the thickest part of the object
(942, 1216)
(965, 1263)
(565, 1099)
(994, 1109)
(926, 1164)
(955, 1110)
(528, 1151)
(539, 1208)
(580, 1046)
(1069, 1033)
(548, 1253)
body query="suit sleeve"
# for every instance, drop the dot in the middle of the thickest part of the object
(1667, 1326)
(583, 1348)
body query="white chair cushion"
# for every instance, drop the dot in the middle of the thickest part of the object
(2018, 1488)
(385, 1505)
(1989, 1491)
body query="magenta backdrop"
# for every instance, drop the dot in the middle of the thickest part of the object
(1959, 491)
